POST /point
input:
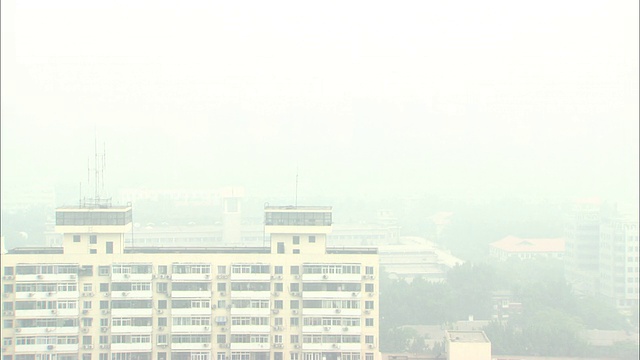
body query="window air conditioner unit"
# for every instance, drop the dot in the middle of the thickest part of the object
(345, 329)
(325, 276)
(367, 312)
(338, 311)
(104, 329)
(354, 294)
(371, 346)
(51, 347)
(295, 311)
(326, 328)
(106, 294)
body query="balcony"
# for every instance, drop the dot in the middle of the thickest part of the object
(336, 329)
(48, 295)
(131, 277)
(43, 348)
(250, 295)
(251, 346)
(332, 347)
(146, 294)
(190, 346)
(46, 330)
(191, 311)
(131, 329)
(132, 312)
(251, 311)
(332, 277)
(191, 277)
(191, 294)
(46, 278)
(245, 329)
(332, 295)
(331, 312)
(131, 347)
(47, 312)
(190, 328)
(250, 277)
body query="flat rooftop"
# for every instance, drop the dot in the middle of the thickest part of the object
(467, 336)
(193, 250)
(291, 207)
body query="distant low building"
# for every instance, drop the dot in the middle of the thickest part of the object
(512, 246)
(467, 345)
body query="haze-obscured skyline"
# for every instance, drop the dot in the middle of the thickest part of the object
(370, 99)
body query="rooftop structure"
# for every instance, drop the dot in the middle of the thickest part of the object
(527, 248)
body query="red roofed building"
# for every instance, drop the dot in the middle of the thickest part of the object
(527, 248)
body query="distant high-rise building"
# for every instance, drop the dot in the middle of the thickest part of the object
(582, 245)
(95, 298)
(619, 275)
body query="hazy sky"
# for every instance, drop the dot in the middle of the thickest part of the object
(372, 98)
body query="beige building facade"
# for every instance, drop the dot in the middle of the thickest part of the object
(95, 299)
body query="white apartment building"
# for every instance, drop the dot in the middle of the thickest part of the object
(96, 299)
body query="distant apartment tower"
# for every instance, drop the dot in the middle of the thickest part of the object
(582, 245)
(619, 275)
(94, 298)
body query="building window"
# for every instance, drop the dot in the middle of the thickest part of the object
(221, 338)
(93, 251)
(295, 339)
(368, 356)
(8, 270)
(104, 322)
(221, 356)
(109, 247)
(87, 322)
(294, 356)
(369, 270)
(104, 356)
(222, 286)
(104, 304)
(104, 287)
(162, 269)
(368, 287)
(295, 304)
(295, 287)
(278, 321)
(7, 306)
(296, 251)
(86, 304)
(222, 304)
(312, 239)
(86, 340)
(162, 304)
(103, 270)
(280, 248)
(278, 287)
(277, 304)
(368, 321)
(87, 287)
(368, 339)
(162, 287)
(368, 305)
(162, 339)
(86, 356)
(7, 324)
(104, 339)
(76, 238)
(8, 288)
(222, 270)
(6, 341)
(294, 321)
(296, 240)
(277, 269)
(162, 321)
(295, 270)
(93, 239)
(277, 339)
